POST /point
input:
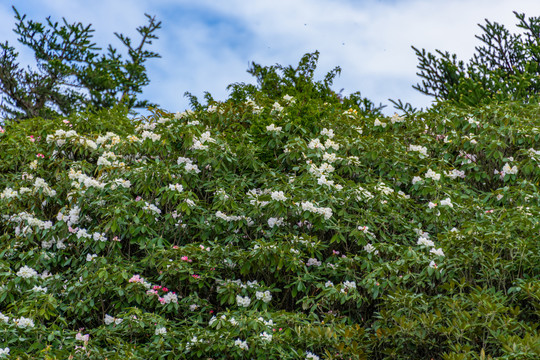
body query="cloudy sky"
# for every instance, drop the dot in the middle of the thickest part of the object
(206, 45)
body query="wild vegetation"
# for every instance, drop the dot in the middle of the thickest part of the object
(286, 222)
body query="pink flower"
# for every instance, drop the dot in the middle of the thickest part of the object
(185, 258)
(65, 121)
(135, 279)
(156, 287)
(2, 130)
(335, 252)
(195, 276)
(31, 138)
(164, 289)
(41, 156)
(175, 247)
(161, 300)
(138, 198)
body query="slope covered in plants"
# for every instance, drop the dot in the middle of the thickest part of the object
(283, 226)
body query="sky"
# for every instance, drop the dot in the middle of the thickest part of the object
(206, 45)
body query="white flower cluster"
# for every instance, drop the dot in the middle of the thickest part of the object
(311, 356)
(189, 166)
(447, 202)
(378, 122)
(30, 221)
(8, 193)
(53, 241)
(27, 272)
(170, 297)
(228, 218)
(243, 301)
(330, 183)
(110, 320)
(384, 189)
(152, 208)
(39, 183)
(277, 107)
(324, 169)
(455, 173)
(149, 135)
(265, 296)
(266, 337)
(115, 139)
(198, 143)
(23, 322)
(160, 331)
(371, 249)
(82, 179)
(273, 128)
(108, 158)
(176, 187)
(348, 285)
(275, 222)
(81, 337)
(396, 119)
(421, 149)
(432, 175)
(91, 257)
(328, 132)
(120, 182)
(241, 344)
(309, 206)
(313, 262)
(278, 196)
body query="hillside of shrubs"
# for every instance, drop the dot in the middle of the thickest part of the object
(273, 225)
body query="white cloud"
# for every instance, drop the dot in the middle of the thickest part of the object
(207, 45)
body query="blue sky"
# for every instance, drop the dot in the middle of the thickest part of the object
(207, 45)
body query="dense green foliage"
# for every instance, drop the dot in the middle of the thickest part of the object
(288, 226)
(505, 67)
(71, 73)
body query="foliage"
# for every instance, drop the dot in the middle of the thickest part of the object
(272, 227)
(504, 67)
(72, 73)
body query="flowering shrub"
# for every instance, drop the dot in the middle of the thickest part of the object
(285, 229)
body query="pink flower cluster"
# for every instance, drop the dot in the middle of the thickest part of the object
(169, 296)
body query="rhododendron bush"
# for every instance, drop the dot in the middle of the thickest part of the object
(272, 227)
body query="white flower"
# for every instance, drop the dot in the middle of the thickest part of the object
(432, 264)
(421, 149)
(176, 187)
(4, 351)
(313, 262)
(170, 298)
(455, 173)
(277, 107)
(23, 322)
(275, 222)
(328, 132)
(278, 196)
(160, 331)
(4, 318)
(39, 289)
(311, 356)
(81, 337)
(447, 202)
(328, 284)
(273, 128)
(241, 344)
(91, 257)
(431, 205)
(288, 98)
(509, 170)
(316, 144)
(26, 272)
(243, 301)
(433, 175)
(379, 123)
(349, 284)
(425, 241)
(266, 337)
(438, 252)
(371, 249)
(264, 296)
